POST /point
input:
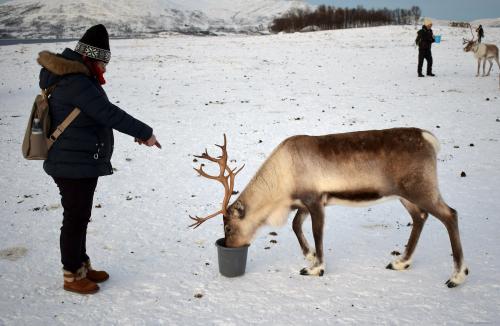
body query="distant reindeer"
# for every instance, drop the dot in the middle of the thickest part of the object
(482, 52)
(307, 173)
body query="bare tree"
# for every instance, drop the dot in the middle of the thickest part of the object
(416, 13)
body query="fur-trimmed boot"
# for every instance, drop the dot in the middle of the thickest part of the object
(78, 282)
(93, 275)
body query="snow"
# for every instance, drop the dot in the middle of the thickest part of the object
(258, 90)
(66, 19)
(487, 22)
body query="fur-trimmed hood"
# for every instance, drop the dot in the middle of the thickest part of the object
(55, 66)
(59, 65)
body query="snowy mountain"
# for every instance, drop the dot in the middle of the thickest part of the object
(63, 19)
(487, 22)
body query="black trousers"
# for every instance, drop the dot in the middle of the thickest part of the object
(427, 55)
(77, 196)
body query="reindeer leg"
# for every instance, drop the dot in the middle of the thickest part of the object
(484, 66)
(298, 220)
(491, 65)
(498, 63)
(313, 204)
(419, 217)
(448, 216)
(478, 67)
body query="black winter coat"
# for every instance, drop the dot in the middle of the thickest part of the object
(480, 32)
(84, 149)
(425, 38)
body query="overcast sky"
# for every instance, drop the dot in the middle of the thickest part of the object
(442, 9)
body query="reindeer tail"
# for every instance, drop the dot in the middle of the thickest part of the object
(432, 140)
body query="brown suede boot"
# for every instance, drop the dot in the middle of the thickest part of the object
(93, 275)
(77, 282)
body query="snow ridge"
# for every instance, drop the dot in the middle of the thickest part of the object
(67, 19)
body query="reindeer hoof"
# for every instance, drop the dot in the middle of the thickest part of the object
(398, 265)
(390, 266)
(458, 277)
(451, 284)
(317, 271)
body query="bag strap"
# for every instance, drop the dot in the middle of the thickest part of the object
(47, 91)
(69, 119)
(60, 129)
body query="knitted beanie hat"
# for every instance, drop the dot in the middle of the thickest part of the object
(95, 44)
(427, 22)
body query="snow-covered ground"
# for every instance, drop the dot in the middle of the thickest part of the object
(257, 90)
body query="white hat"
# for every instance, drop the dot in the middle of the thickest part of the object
(427, 22)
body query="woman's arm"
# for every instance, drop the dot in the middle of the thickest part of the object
(93, 102)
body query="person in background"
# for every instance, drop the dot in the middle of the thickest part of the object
(480, 33)
(424, 41)
(83, 152)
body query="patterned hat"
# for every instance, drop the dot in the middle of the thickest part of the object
(95, 44)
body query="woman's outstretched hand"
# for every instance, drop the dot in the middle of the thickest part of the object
(150, 142)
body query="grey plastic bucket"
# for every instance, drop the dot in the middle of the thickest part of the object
(232, 261)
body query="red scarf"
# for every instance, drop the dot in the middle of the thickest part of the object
(95, 69)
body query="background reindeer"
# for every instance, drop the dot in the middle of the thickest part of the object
(307, 173)
(482, 52)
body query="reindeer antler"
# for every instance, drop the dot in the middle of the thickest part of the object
(470, 26)
(464, 40)
(227, 180)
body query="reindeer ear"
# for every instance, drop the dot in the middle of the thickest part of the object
(238, 210)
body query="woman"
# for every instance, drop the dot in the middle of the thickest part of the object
(83, 151)
(424, 41)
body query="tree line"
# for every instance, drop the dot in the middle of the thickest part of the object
(330, 17)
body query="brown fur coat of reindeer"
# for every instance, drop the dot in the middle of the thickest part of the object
(307, 173)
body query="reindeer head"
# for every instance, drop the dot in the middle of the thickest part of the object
(470, 44)
(236, 231)
(232, 214)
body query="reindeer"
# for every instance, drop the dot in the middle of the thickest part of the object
(482, 52)
(307, 173)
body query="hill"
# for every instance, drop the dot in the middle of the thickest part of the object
(67, 19)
